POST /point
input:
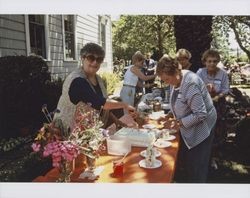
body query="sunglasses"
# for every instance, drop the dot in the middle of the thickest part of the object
(92, 58)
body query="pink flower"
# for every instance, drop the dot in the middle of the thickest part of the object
(36, 147)
(46, 153)
(56, 164)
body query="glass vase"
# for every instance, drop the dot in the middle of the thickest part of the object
(91, 163)
(65, 171)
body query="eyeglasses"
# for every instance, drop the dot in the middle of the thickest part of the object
(92, 58)
(212, 61)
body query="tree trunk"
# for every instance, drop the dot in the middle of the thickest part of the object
(237, 37)
(193, 34)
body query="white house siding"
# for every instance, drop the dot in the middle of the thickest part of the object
(87, 29)
(56, 61)
(109, 49)
(12, 35)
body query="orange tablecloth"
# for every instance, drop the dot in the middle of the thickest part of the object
(132, 172)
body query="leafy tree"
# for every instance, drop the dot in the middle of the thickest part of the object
(239, 25)
(142, 32)
(193, 34)
(220, 42)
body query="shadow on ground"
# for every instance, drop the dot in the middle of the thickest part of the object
(233, 164)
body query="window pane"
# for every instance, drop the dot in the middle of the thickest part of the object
(69, 45)
(37, 35)
(69, 37)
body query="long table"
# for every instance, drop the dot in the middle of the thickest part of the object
(132, 172)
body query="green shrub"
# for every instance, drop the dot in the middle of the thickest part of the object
(111, 81)
(25, 85)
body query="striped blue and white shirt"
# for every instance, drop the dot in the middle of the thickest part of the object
(191, 103)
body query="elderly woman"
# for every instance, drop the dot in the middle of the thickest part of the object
(84, 85)
(216, 79)
(217, 82)
(195, 114)
(183, 57)
(131, 79)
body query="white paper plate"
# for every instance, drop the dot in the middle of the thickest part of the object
(157, 164)
(157, 154)
(149, 126)
(162, 143)
(169, 138)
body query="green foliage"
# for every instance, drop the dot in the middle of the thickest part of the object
(25, 85)
(220, 34)
(111, 81)
(22, 81)
(142, 32)
(239, 26)
(21, 165)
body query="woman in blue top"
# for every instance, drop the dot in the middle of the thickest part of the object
(195, 114)
(215, 78)
(217, 82)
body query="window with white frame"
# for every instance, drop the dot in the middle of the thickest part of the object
(69, 37)
(37, 35)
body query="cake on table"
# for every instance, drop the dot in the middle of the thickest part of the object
(137, 137)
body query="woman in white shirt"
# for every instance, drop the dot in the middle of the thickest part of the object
(131, 79)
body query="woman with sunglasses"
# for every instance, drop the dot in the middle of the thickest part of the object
(131, 79)
(84, 85)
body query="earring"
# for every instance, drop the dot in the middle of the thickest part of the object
(178, 77)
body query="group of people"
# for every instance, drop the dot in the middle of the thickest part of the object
(191, 98)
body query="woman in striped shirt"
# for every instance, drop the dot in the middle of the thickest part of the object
(193, 110)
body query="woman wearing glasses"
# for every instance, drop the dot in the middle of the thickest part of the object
(84, 85)
(215, 78)
(217, 82)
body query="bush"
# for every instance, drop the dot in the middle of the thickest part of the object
(25, 85)
(52, 93)
(111, 81)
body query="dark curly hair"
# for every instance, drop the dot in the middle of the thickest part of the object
(92, 48)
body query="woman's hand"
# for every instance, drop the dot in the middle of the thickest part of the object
(132, 112)
(170, 124)
(166, 118)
